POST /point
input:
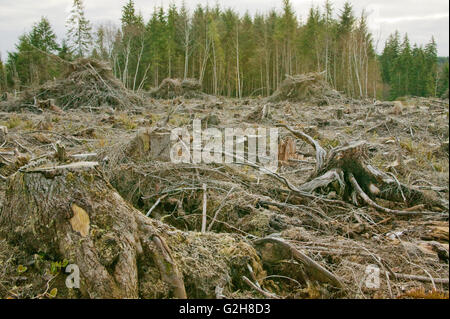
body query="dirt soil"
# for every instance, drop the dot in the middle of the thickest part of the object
(407, 139)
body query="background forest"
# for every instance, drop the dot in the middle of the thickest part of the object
(233, 55)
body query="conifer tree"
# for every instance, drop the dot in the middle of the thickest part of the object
(43, 37)
(3, 81)
(443, 82)
(238, 55)
(129, 16)
(78, 30)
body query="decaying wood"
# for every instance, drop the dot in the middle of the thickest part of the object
(205, 199)
(371, 203)
(3, 134)
(168, 268)
(347, 166)
(74, 214)
(286, 150)
(274, 250)
(154, 205)
(422, 278)
(320, 152)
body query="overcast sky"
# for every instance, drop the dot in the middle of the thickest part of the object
(419, 18)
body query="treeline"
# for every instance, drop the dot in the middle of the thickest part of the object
(240, 56)
(410, 70)
(232, 55)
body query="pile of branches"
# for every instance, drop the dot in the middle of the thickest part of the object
(86, 82)
(310, 87)
(172, 88)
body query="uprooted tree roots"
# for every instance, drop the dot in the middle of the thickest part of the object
(346, 170)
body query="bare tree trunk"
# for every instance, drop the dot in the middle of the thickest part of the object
(125, 70)
(138, 63)
(186, 60)
(144, 78)
(214, 67)
(237, 64)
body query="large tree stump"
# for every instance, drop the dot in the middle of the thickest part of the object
(353, 178)
(75, 214)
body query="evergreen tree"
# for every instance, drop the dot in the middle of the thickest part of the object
(443, 81)
(431, 62)
(64, 51)
(410, 70)
(401, 85)
(237, 55)
(3, 81)
(78, 30)
(129, 17)
(390, 54)
(43, 37)
(29, 64)
(346, 19)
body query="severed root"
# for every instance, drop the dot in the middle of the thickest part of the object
(273, 250)
(443, 281)
(324, 180)
(347, 166)
(391, 189)
(168, 268)
(371, 203)
(259, 289)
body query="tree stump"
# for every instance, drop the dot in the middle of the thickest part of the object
(346, 167)
(75, 214)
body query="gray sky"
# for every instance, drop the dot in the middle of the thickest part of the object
(419, 18)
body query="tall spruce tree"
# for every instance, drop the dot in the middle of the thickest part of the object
(78, 30)
(410, 70)
(443, 82)
(43, 37)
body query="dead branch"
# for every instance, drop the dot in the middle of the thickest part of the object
(259, 289)
(267, 247)
(371, 203)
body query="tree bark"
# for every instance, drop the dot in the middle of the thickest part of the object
(75, 214)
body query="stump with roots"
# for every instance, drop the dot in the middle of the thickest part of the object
(346, 169)
(73, 213)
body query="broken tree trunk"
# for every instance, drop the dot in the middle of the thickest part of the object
(75, 214)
